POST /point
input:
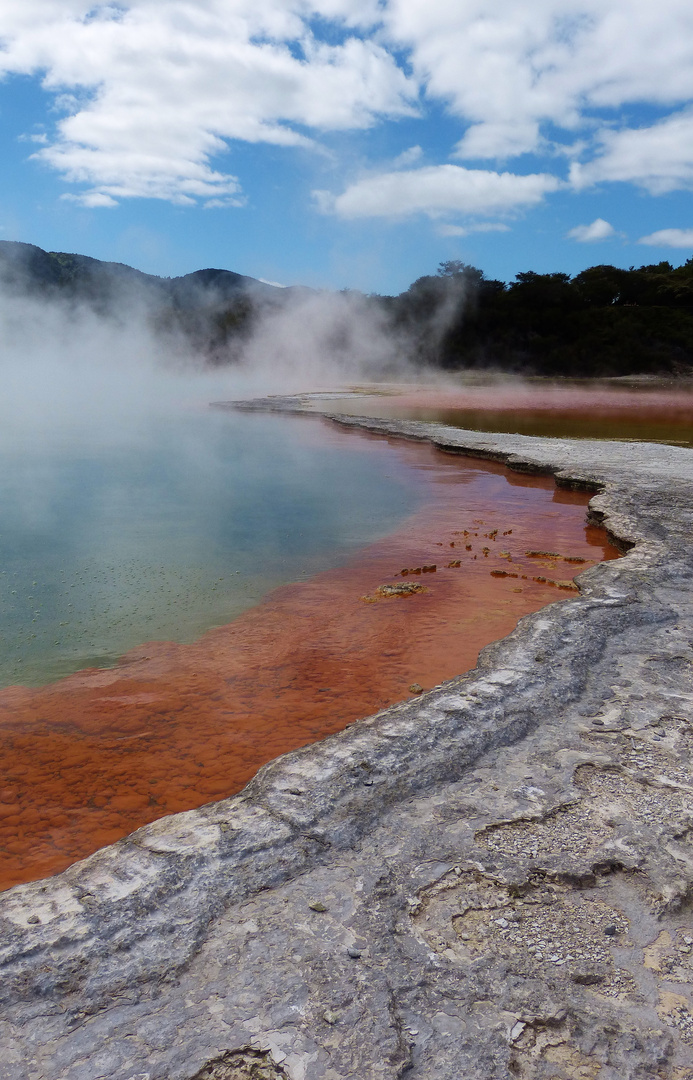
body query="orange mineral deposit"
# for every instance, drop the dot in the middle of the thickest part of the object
(90, 758)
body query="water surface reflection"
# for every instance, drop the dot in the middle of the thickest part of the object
(88, 759)
(173, 525)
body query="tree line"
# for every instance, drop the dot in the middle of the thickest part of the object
(603, 321)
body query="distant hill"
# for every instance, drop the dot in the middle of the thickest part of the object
(213, 308)
(30, 268)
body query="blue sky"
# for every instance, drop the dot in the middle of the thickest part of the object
(349, 143)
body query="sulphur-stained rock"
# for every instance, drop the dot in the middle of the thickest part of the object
(491, 880)
(383, 592)
(243, 1064)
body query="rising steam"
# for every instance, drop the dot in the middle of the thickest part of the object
(82, 340)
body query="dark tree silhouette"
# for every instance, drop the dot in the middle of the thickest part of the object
(604, 321)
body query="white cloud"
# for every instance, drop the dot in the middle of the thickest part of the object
(438, 189)
(589, 234)
(408, 157)
(153, 89)
(675, 238)
(511, 67)
(658, 158)
(229, 200)
(491, 140)
(91, 199)
(465, 230)
(152, 92)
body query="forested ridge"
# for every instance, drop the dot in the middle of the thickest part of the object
(603, 321)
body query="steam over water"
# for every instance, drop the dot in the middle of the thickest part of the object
(130, 511)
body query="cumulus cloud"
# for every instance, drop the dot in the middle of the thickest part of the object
(91, 199)
(436, 190)
(509, 68)
(152, 91)
(675, 238)
(590, 234)
(408, 157)
(658, 158)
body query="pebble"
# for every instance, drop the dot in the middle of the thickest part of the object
(329, 1017)
(354, 953)
(611, 931)
(316, 905)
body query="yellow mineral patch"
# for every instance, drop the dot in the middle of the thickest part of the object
(384, 592)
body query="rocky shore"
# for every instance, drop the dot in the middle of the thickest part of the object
(494, 880)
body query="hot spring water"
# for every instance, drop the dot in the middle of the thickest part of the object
(184, 523)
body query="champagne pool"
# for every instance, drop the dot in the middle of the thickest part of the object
(269, 579)
(181, 525)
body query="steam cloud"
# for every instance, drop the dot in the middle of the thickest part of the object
(70, 362)
(121, 511)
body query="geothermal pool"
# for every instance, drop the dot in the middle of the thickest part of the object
(347, 518)
(177, 525)
(645, 411)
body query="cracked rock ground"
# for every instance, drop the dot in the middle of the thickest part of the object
(494, 880)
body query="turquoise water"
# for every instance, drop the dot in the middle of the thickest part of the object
(179, 524)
